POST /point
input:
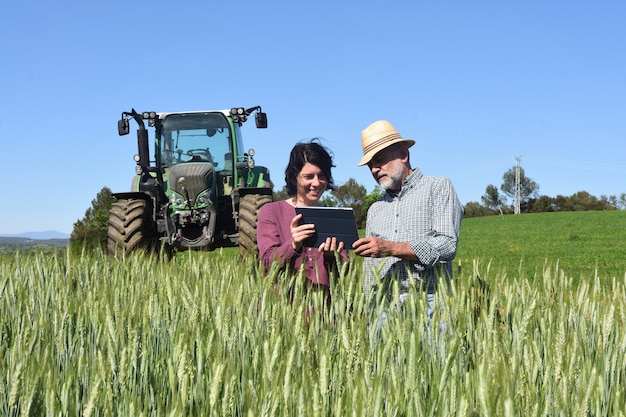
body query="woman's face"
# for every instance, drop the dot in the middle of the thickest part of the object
(311, 184)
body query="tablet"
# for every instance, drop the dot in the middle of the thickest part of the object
(336, 222)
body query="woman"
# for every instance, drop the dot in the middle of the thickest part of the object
(279, 236)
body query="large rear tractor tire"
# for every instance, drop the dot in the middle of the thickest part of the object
(129, 227)
(249, 206)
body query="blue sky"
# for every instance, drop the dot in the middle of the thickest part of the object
(475, 84)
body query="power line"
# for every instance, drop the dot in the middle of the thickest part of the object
(487, 166)
(551, 162)
(592, 166)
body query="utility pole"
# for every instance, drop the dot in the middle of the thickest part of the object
(518, 186)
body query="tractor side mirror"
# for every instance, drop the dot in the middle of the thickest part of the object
(123, 127)
(260, 119)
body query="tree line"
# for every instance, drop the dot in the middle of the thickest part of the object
(90, 232)
(496, 200)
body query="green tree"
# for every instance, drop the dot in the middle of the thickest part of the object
(280, 195)
(475, 209)
(621, 202)
(540, 205)
(528, 187)
(376, 194)
(91, 232)
(351, 194)
(328, 200)
(583, 201)
(492, 199)
(613, 201)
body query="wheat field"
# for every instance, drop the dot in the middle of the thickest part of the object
(211, 336)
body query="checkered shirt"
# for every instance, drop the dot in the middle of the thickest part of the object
(425, 213)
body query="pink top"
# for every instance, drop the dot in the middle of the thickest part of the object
(274, 241)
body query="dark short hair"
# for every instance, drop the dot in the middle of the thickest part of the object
(314, 153)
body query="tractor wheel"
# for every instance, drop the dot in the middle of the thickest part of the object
(249, 206)
(129, 230)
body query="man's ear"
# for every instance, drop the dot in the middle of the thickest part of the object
(403, 152)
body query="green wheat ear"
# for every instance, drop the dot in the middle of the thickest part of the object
(137, 336)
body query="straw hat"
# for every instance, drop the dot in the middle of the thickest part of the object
(377, 137)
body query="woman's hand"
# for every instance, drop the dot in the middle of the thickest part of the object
(299, 233)
(329, 247)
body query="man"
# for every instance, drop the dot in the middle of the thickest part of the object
(413, 231)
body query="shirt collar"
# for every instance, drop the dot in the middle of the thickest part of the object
(412, 178)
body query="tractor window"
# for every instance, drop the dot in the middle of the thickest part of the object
(194, 137)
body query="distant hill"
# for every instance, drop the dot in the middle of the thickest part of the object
(49, 234)
(33, 239)
(24, 241)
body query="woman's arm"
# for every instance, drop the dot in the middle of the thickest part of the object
(274, 237)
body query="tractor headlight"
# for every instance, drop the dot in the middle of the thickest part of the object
(178, 203)
(204, 199)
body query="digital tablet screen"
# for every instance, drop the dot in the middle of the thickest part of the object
(331, 222)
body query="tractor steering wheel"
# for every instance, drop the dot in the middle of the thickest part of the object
(200, 155)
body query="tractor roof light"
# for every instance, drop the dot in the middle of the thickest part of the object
(148, 115)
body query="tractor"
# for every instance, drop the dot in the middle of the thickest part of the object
(200, 192)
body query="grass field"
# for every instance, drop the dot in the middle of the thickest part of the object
(580, 243)
(207, 334)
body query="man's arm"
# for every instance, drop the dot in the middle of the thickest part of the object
(439, 246)
(378, 248)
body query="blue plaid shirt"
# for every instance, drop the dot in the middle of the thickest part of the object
(426, 214)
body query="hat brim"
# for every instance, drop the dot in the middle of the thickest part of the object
(369, 155)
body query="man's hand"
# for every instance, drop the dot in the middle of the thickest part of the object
(374, 247)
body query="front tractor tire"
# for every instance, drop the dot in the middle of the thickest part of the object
(249, 206)
(129, 226)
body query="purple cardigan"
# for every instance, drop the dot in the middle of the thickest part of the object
(274, 241)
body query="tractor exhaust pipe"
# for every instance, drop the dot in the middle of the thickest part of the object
(123, 128)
